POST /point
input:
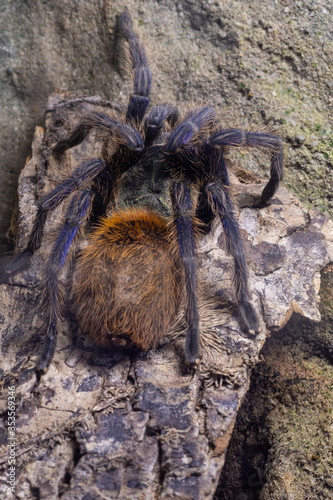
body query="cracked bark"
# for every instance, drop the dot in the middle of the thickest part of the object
(101, 425)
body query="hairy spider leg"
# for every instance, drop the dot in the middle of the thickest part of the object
(221, 205)
(183, 218)
(201, 166)
(179, 154)
(272, 143)
(155, 120)
(123, 134)
(188, 129)
(83, 176)
(139, 100)
(275, 145)
(77, 212)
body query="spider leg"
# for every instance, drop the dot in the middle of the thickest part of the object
(155, 120)
(190, 127)
(82, 177)
(182, 209)
(221, 205)
(94, 101)
(124, 134)
(78, 136)
(77, 212)
(142, 75)
(213, 169)
(272, 143)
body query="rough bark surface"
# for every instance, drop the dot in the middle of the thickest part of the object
(100, 425)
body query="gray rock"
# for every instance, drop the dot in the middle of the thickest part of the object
(72, 45)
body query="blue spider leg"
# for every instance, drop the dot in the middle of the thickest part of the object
(81, 177)
(77, 212)
(139, 100)
(221, 205)
(155, 120)
(195, 121)
(272, 143)
(123, 134)
(78, 136)
(183, 219)
(275, 145)
(213, 169)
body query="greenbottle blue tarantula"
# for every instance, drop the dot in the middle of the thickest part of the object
(159, 184)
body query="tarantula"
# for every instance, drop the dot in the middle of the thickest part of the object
(159, 184)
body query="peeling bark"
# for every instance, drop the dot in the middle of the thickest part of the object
(100, 425)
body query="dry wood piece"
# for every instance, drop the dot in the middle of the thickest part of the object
(102, 425)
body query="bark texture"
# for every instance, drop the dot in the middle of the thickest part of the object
(114, 426)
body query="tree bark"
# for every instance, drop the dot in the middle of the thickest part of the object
(100, 425)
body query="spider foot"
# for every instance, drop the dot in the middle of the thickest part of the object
(260, 204)
(192, 347)
(48, 350)
(248, 318)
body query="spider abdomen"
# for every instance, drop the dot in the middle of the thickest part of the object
(126, 287)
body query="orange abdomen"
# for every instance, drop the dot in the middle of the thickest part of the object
(126, 287)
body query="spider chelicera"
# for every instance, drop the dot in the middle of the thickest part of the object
(159, 183)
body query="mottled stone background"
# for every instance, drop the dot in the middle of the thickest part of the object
(263, 62)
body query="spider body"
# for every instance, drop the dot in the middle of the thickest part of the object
(147, 184)
(127, 280)
(160, 182)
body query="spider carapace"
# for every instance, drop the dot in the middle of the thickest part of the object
(166, 181)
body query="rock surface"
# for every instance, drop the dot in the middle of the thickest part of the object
(114, 426)
(282, 444)
(264, 63)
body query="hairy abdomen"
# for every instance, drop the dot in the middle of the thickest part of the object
(126, 287)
